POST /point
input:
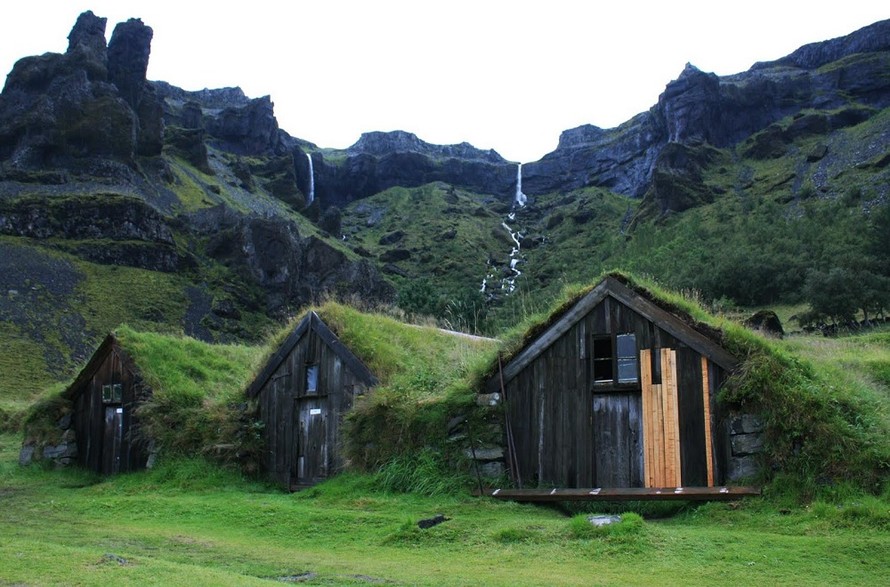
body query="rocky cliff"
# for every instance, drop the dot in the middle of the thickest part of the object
(698, 108)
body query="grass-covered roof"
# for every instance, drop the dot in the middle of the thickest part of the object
(189, 369)
(416, 362)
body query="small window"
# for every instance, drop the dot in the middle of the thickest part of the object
(602, 358)
(627, 358)
(312, 379)
(112, 394)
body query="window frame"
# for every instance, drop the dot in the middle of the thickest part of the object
(112, 393)
(616, 382)
(311, 367)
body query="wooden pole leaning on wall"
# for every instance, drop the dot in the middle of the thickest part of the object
(511, 445)
(709, 438)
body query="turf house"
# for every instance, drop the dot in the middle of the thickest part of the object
(616, 390)
(104, 396)
(142, 395)
(302, 392)
(344, 389)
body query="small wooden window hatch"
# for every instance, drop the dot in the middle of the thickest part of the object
(311, 378)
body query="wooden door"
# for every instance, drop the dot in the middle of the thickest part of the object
(617, 440)
(311, 440)
(111, 439)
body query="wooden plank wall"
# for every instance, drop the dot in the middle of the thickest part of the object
(89, 419)
(570, 433)
(280, 398)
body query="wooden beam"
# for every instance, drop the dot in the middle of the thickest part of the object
(278, 357)
(648, 432)
(624, 494)
(658, 437)
(706, 400)
(353, 363)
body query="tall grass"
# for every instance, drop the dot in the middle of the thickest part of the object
(424, 472)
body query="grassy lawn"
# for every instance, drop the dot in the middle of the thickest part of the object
(190, 523)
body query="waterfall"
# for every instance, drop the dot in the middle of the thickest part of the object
(311, 180)
(521, 198)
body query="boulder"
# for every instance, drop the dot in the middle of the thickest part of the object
(395, 255)
(492, 469)
(392, 238)
(742, 468)
(485, 453)
(745, 424)
(767, 322)
(26, 455)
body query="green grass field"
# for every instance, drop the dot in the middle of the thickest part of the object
(189, 523)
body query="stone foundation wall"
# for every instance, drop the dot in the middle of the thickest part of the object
(60, 450)
(745, 445)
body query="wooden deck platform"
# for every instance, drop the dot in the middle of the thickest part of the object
(624, 494)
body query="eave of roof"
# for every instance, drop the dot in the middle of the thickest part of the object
(612, 287)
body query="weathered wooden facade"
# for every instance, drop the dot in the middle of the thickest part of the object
(616, 392)
(302, 394)
(104, 396)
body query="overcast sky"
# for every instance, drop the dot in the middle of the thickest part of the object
(507, 75)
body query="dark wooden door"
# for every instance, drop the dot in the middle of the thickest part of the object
(311, 439)
(617, 440)
(111, 439)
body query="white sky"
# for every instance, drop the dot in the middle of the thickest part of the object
(508, 75)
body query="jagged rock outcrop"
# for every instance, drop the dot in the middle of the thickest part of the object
(869, 39)
(56, 109)
(700, 107)
(128, 53)
(385, 143)
(234, 122)
(107, 229)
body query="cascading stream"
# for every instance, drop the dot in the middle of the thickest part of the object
(508, 283)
